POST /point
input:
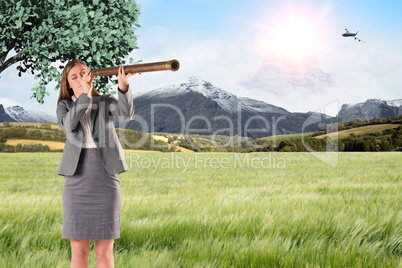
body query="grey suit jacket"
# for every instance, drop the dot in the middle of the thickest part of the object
(105, 110)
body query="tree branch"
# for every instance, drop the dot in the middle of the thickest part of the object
(3, 56)
(14, 59)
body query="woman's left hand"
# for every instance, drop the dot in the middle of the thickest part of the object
(122, 78)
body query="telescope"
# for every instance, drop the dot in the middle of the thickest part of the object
(171, 65)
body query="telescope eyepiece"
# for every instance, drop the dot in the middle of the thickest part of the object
(174, 65)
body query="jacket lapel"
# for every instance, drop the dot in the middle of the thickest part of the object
(95, 106)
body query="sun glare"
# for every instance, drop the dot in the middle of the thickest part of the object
(295, 38)
(292, 38)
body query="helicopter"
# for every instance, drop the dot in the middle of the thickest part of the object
(349, 34)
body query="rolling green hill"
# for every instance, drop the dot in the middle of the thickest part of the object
(375, 130)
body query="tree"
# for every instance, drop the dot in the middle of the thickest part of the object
(16, 132)
(35, 134)
(45, 126)
(42, 36)
(385, 146)
(287, 146)
(3, 137)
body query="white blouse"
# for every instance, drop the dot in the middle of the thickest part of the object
(85, 120)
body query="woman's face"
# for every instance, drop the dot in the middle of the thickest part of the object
(75, 75)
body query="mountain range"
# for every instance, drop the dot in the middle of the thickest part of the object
(371, 108)
(18, 114)
(195, 106)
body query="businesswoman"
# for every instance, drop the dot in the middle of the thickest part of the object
(91, 161)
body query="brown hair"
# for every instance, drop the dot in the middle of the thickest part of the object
(65, 90)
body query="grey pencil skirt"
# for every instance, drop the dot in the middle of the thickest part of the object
(91, 200)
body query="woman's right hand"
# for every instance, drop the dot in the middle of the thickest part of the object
(86, 81)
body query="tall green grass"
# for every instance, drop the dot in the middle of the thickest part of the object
(223, 210)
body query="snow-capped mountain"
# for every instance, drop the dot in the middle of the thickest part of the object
(227, 101)
(196, 106)
(396, 103)
(261, 106)
(224, 99)
(371, 108)
(283, 76)
(18, 114)
(4, 116)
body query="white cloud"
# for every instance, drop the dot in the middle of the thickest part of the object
(6, 102)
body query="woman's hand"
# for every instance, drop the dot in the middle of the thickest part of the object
(86, 81)
(122, 78)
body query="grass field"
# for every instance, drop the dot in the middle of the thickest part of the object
(278, 138)
(218, 210)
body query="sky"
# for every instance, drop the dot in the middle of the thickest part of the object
(225, 42)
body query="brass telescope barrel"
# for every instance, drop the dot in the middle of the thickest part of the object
(171, 65)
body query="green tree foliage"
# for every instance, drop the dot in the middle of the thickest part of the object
(287, 146)
(42, 36)
(3, 137)
(184, 143)
(46, 126)
(16, 132)
(264, 145)
(397, 137)
(25, 132)
(32, 148)
(35, 134)
(4, 148)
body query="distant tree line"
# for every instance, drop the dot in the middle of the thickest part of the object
(32, 148)
(43, 132)
(137, 140)
(359, 123)
(387, 140)
(24, 148)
